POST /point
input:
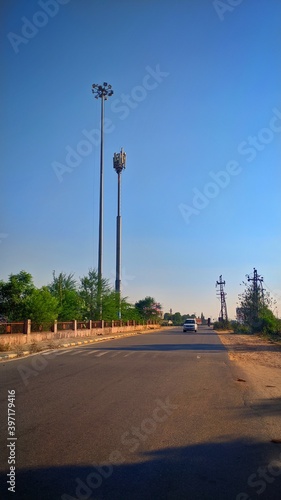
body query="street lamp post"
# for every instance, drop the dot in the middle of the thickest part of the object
(119, 164)
(103, 92)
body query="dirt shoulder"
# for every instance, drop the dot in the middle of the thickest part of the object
(257, 368)
(252, 349)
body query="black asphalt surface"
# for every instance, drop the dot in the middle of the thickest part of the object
(155, 416)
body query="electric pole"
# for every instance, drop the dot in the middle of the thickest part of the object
(221, 293)
(257, 292)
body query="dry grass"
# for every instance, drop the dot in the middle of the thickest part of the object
(5, 347)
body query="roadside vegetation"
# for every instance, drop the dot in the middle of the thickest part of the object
(255, 315)
(65, 299)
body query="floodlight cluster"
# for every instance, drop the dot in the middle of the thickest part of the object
(103, 91)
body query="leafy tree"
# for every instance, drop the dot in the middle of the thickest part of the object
(167, 316)
(60, 284)
(256, 313)
(110, 306)
(42, 306)
(64, 289)
(129, 311)
(14, 294)
(89, 295)
(177, 319)
(148, 308)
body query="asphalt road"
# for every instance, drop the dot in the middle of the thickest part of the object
(155, 416)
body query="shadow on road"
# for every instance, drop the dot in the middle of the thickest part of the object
(268, 407)
(208, 471)
(162, 347)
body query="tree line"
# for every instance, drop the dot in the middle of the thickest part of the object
(178, 319)
(65, 299)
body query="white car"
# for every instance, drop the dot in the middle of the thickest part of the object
(190, 325)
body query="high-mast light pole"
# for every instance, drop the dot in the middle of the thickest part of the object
(103, 92)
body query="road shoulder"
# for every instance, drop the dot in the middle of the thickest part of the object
(259, 362)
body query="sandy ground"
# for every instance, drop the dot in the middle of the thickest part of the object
(257, 364)
(252, 349)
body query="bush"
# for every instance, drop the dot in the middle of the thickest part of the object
(222, 325)
(238, 328)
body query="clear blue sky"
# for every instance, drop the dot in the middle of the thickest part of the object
(196, 92)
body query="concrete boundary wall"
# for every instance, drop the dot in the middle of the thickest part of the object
(21, 339)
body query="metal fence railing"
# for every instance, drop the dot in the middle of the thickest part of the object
(65, 325)
(36, 327)
(60, 326)
(96, 324)
(13, 327)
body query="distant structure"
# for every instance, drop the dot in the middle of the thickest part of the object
(257, 280)
(221, 294)
(257, 293)
(239, 315)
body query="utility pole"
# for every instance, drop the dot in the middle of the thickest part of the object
(103, 92)
(222, 295)
(119, 164)
(257, 292)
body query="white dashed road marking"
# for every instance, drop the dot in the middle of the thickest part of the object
(62, 352)
(89, 353)
(101, 354)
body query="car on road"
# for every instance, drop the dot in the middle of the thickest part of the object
(190, 325)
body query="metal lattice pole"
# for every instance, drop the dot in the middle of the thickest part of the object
(119, 164)
(222, 295)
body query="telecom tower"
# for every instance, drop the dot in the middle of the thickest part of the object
(222, 295)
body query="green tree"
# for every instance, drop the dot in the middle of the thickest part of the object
(14, 294)
(148, 308)
(255, 307)
(129, 311)
(42, 306)
(88, 291)
(64, 289)
(177, 319)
